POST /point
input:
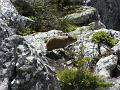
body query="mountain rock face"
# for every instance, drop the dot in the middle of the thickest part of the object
(109, 12)
(21, 67)
(26, 65)
(10, 20)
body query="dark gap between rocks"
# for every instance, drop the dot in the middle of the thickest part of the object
(115, 72)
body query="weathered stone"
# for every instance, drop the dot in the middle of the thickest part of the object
(105, 65)
(10, 15)
(30, 66)
(109, 12)
(83, 15)
(37, 41)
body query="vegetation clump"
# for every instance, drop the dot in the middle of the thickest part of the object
(80, 78)
(67, 78)
(104, 38)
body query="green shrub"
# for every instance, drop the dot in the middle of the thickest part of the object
(44, 18)
(23, 7)
(45, 14)
(67, 78)
(84, 60)
(88, 81)
(81, 78)
(102, 37)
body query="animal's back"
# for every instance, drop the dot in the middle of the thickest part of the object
(59, 42)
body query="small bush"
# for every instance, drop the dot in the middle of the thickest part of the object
(77, 79)
(91, 82)
(67, 78)
(80, 78)
(84, 60)
(102, 37)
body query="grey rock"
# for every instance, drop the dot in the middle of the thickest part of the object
(83, 15)
(116, 83)
(84, 35)
(10, 15)
(109, 12)
(21, 66)
(37, 41)
(116, 48)
(32, 69)
(105, 65)
(96, 25)
(10, 20)
(84, 42)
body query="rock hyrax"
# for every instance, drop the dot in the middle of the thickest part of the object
(59, 42)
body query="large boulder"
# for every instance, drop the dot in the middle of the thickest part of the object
(22, 68)
(108, 68)
(84, 15)
(105, 66)
(88, 47)
(11, 17)
(10, 20)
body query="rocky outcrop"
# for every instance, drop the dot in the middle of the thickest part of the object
(109, 12)
(84, 15)
(105, 66)
(38, 40)
(26, 65)
(21, 66)
(10, 15)
(10, 20)
(85, 34)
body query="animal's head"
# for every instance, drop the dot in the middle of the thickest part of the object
(72, 39)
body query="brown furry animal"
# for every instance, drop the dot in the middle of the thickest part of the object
(59, 42)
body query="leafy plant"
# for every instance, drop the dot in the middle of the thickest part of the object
(102, 37)
(67, 78)
(84, 60)
(46, 14)
(80, 77)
